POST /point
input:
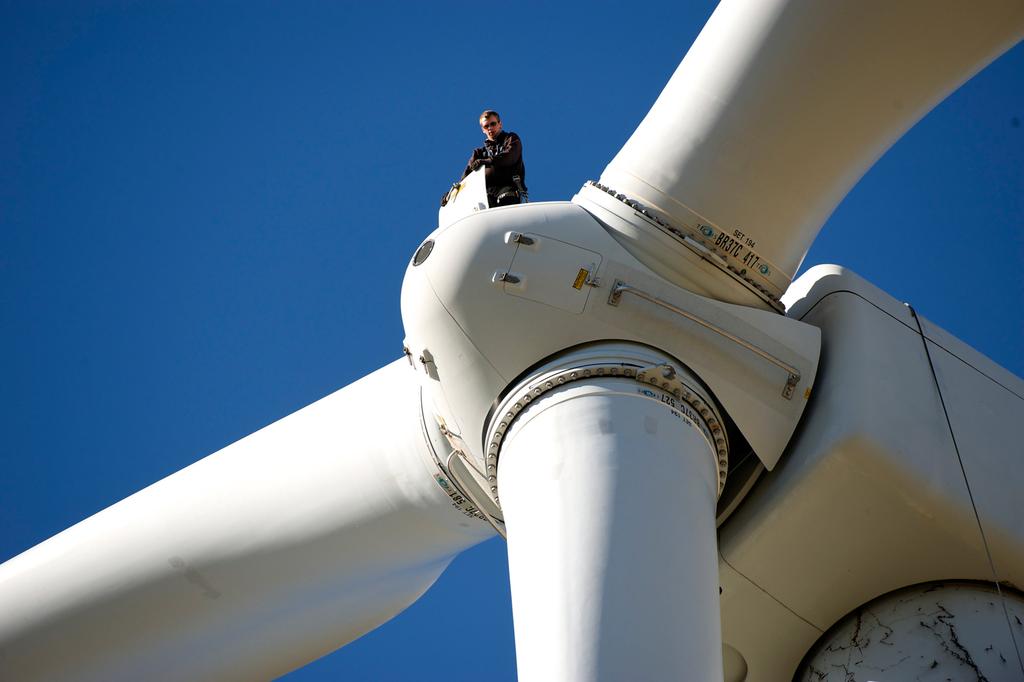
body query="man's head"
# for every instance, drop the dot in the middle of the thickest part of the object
(490, 123)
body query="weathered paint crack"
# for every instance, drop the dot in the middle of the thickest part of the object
(957, 650)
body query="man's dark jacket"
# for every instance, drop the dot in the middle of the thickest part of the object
(502, 158)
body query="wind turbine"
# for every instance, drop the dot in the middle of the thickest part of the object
(185, 569)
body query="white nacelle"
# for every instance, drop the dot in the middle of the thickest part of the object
(504, 289)
(872, 495)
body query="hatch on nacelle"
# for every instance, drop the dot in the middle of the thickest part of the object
(464, 198)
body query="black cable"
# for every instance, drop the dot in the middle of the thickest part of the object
(967, 483)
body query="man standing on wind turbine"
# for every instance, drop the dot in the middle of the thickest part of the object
(502, 158)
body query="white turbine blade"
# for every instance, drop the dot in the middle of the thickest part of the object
(255, 560)
(780, 106)
(609, 504)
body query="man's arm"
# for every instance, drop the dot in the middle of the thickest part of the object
(476, 159)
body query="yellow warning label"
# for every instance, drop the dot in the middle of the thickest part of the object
(581, 278)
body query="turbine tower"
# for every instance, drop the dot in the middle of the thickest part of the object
(607, 382)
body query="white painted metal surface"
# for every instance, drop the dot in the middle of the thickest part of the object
(609, 500)
(780, 106)
(451, 301)
(876, 491)
(466, 197)
(249, 563)
(938, 631)
(317, 528)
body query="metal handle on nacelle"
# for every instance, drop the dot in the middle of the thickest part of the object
(621, 287)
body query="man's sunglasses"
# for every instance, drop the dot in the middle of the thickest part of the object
(489, 124)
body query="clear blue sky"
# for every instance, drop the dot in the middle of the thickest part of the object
(206, 210)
